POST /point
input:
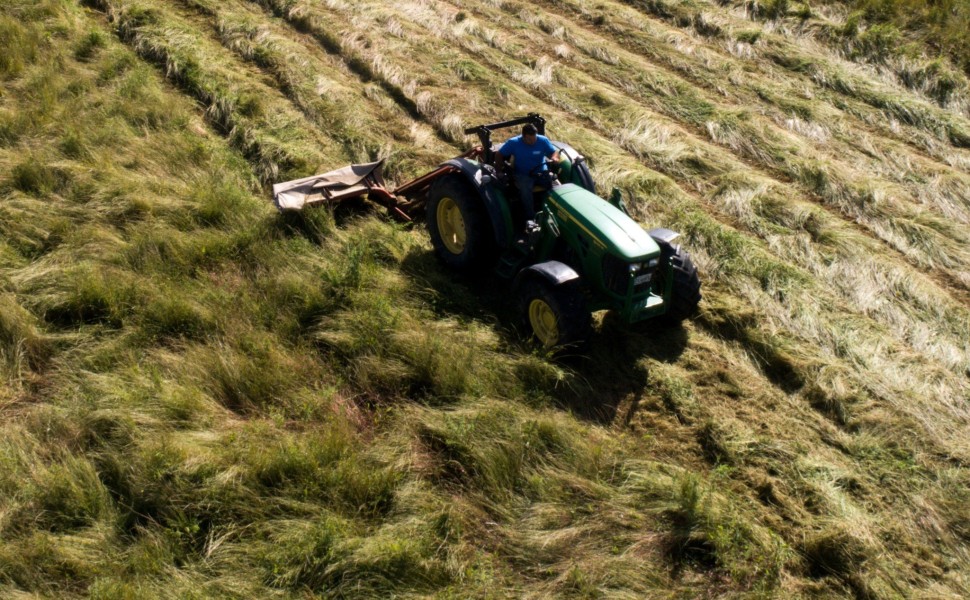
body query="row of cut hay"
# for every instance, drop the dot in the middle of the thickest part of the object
(798, 47)
(353, 50)
(794, 107)
(887, 48)
(761, 149)
(366, 121)
(713, 63)
(255, 117)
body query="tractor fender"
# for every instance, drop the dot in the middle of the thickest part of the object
(665, 239)
(578, 161)
(482, 179)
(552, 272)
(663, 236)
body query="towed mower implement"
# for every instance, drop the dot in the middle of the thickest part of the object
(587, 255)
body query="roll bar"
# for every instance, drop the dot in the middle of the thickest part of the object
(485, 132)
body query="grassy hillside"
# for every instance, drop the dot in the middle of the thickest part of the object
(937, 25)
(204, 398)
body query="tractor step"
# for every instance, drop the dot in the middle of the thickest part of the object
(512, 260)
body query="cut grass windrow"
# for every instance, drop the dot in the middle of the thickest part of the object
(335, 102)
(813, 116)
(829, 73)
(280, 145)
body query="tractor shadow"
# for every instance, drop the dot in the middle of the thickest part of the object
(605, 379)
(611, 374)
(479, 296)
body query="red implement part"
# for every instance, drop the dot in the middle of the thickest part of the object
(421, 184)
(358, 181)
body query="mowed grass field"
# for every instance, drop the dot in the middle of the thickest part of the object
(202, 398)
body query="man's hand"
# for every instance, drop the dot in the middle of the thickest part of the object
(554, 165)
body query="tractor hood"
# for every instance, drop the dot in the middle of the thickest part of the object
(609, 227)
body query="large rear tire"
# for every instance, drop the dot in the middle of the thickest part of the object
(556, 316)
(685, 294)
(458, 224)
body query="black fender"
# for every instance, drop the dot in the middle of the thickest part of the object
(482, 179)
(579, 165)
(665, 239)
(663, 236)
(552, 272)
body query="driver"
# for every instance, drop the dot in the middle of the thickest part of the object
(530, 151)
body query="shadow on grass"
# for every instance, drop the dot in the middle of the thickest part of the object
(611, 372)
(605, 378)
(480, 296)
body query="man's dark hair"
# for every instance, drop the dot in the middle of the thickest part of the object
(529, 129)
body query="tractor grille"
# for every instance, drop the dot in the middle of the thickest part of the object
(645, 284)
(616, 274)
(619, 275)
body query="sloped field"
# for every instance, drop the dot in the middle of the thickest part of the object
(204, 398)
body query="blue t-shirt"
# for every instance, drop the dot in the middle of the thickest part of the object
(528, 157)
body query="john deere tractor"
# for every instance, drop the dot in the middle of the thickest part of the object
(587, 255)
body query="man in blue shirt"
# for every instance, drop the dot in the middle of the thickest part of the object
(530, 151)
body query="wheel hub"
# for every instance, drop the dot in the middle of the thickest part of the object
(544, 323)
(451, 225)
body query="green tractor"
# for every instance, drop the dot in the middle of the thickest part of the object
(587, 255)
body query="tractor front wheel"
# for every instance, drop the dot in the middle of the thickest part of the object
(685, 293)
(556, 315)
(459, 227)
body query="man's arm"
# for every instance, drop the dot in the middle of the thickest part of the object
(552, 153)
(554, 159)
(502, 157)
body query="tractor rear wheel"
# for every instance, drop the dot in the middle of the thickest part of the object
(460, 231)
(685, 293)
(555, 315)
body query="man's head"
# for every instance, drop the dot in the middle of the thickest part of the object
(529, 133)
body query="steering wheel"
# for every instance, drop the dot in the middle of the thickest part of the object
(537, 170)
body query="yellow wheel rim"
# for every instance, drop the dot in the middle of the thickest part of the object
(544, 322)
(451, 225)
